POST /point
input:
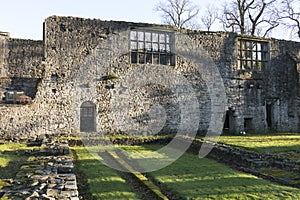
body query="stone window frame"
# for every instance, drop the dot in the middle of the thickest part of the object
(253, 54)
(151, 46)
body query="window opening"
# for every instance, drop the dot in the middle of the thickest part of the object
(150, 47)
(252, 55)
(54, 78)
(247, 124)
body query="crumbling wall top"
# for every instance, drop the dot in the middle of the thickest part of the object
(5, 34)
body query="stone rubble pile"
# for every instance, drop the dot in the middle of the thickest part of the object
(48, 174)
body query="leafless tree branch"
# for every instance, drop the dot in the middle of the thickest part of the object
(289, 16)
(177, 13)
(249, 16)
(209, 17)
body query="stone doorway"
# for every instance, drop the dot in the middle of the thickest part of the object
(228, 122)
(248, 125)
(87, 117)
(272, 114)
(269, 114)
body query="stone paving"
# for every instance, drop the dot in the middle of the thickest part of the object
(48, 174)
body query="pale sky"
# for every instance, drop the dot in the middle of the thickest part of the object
(24, 18)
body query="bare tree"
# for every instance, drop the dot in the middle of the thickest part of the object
(250, 17)
(179, 13)
(289, 15)
(209, 17)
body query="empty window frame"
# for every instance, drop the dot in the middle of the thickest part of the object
(252, 55)
(151, 47)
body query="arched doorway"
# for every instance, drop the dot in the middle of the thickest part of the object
(87, 117)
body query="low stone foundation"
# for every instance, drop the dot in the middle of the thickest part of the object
(48, 174)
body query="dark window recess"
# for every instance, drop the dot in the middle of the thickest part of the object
(133, 57)
(110, 86)
(141, 58)
(163, 60)
(248, 124)
(148, 58)
(54, 78)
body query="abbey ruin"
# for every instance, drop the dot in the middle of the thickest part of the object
(75, 74)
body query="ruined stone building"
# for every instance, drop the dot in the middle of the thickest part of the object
(76, 73)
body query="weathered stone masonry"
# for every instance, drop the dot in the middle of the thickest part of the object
(21, 64)
(56, 74)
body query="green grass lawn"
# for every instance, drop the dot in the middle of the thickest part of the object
(10, 161)
(262, 143)
(193, 178)
(8, 155)
(190, 177)
(281, 144)
(103, 182)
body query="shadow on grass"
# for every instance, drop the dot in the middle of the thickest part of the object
(16, 158)
(232, 188)
(81, 178)
(190, 177)
(100, 181)
(13, 161)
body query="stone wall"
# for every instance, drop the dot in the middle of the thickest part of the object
(25, 58)
(282, 85)
(4, 79)
(87, 60)
(69, 51)
(20, 64)
(3, 53)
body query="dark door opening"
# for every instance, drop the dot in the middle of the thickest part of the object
(248, 124)
(269, 114)
(87, 117)
(227, 122)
